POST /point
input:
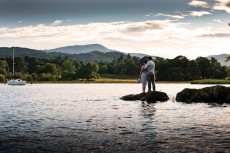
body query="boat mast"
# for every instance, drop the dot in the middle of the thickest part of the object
(13, 62)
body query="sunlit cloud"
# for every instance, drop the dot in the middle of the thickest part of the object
(159, 37)
(218, 20)
(170, 16)
(222, 35)
(196, 3)
(198, 13)
(57, 22)
(222, 5)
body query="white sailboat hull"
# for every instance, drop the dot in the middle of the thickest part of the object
(16, 82)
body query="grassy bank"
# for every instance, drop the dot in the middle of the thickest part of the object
(210, 81)
(124, 77)
(106, 80)
(100, 80)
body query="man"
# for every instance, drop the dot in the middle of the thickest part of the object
(150, 66)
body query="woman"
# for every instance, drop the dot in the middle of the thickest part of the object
(143, 76)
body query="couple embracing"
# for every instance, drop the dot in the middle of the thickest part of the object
(147, 74)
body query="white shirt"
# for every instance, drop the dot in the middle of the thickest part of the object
(150, 66)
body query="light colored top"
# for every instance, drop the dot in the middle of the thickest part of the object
(150, 66)
(143, 71)
(143, 75)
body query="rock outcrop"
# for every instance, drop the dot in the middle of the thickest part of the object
(152, 96)
(214, 94)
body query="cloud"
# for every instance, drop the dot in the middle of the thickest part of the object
(19, 21)
(218, 20)
(222, 5)
(143, 27)
(196, 3)
(57, 22)
(216, 35)
(198, 13)
(165, 37)
(44, 36)
(170, 16)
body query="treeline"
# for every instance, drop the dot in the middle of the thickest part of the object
(183, 69)
(62, 68)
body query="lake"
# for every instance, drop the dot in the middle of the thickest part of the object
(92, 118)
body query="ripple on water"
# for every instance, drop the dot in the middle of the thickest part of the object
(92, 118)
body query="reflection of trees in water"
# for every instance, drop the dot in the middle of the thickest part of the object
(148, 109)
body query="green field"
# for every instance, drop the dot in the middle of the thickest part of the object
(210, 81)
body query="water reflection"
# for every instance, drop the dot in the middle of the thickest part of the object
(148, 110)
(92, 118)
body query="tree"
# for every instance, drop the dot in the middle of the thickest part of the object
(91, 71)
(68, 66)
(20, 65)
(88, 71)
(52, 69)
(162, 68)
(68, 70)
(103, 69)
(2, 78)
(3, 71)
(49, 71)
(192, 72)
(228, 72)
(217, 72)
(119, 67)
(129, 56)
(121, 58)
(60, 59)
(180, 63)
(130, 67)
(204, 66)
(3, 64)
(47, 77)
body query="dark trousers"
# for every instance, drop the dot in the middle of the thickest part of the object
(151, 80)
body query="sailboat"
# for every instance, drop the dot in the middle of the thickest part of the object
(15, 81)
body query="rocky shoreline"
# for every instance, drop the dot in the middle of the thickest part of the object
(214, 94)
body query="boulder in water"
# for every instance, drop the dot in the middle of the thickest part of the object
(213, 94)
(152, 96)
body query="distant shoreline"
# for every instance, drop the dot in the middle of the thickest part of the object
(104, 80)
(131, 81)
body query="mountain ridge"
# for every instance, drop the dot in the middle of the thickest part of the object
(90, 52)
(76, 49)
(94, 56)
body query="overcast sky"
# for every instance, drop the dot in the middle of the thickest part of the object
(165, 28)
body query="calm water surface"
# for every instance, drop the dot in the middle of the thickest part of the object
(92, 118)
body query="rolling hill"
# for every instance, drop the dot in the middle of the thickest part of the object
(95, 56)
(77, 49)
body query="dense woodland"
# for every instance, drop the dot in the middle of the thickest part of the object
(62, 68)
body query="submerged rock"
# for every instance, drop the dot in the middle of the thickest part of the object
(152, 96)
(213, 94)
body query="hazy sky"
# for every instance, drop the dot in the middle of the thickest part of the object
(165, 28)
